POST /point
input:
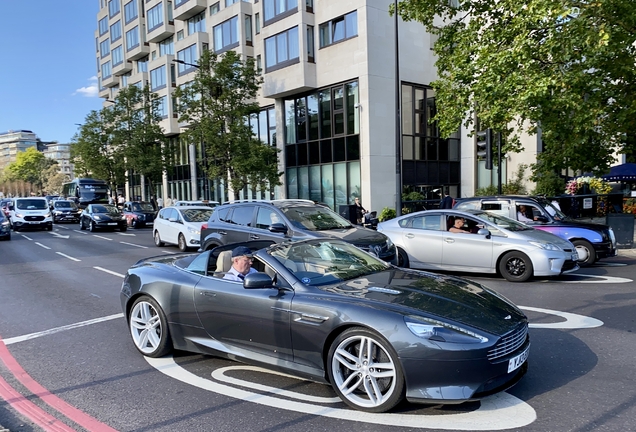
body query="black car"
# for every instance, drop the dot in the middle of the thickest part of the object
(5, 227)
(139, 213)
(282, 220)
(592, 241)
(103, 216)
(64, 211)
(324, 310)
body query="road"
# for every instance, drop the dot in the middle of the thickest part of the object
(68, 361)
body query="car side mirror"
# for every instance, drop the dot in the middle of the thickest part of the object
(484, 232)
(173, 220)
(258, 281)
(278, 228)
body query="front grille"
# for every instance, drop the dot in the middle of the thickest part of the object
(568, 265)
(34, 218)
(509, 343)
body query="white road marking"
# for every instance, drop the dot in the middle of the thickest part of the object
(497, 412)
(135, 245)
(67, 256)
(102, 237)
(126, 234)
(603, 279)
(81, 232)
(41, 245)
(27, 237)
(110, 272)
(169, 252)
(58, 235)
(572, 321)
(60, 329)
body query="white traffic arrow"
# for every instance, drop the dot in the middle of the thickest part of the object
(58, 235)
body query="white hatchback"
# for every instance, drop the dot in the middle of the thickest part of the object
(180, 226)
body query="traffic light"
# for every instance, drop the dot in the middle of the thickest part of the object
(484, 146)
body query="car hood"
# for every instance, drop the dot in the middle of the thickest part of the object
(443, 296)
(539, 235)
(354, 235)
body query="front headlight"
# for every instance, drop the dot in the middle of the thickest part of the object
(47, 215)
(545, 246)
(97, 217)
(194, 231)
(440, 331)
(389, 244)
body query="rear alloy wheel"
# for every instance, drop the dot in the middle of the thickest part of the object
(403, 258)
(365, 371)
(91, 226)
(149, 328)
(586, 252)
(134, 223)
(158, 241)
(183, 246)
(516, 267)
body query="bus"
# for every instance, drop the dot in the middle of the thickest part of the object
(85, 191)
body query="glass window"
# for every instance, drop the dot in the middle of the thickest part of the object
(104, 48)
(158, 78)
(188, 55)
(257, 23)
(113, 7)
(242, 215)
(310, 43)
(281, 49)
(166, 46)
(132, 38)
(162, 107)
(265, 217)
(155, 17)
(248, 29)
(106, 70)
(196, 23)
(103, 26)
(338, 29)
(118, 55)
(130, 11)
(115, 31)
(226, 35)
(215, 8)
(142, 65)
(274, 8)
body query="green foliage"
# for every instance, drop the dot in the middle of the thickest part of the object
(54, 179)
(30, 166)
(564, 67)
(412, 196)
(516, 186)
(386, 214)
(548, 183)
(217, 104)
(487, 191)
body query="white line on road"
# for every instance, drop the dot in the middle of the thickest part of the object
(572, 321)
(66, 256)
(132, 244)
(127, 234)
(603, 279)
(41, 245)
(27, 237)
(81, 232)
(102, 237)
(59, 235)
(59, 329)
(109, 272)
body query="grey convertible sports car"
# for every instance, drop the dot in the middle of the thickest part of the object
(329, 312)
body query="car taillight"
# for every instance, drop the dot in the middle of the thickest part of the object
(204, 226)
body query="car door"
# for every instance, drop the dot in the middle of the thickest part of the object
(245, 321)
(467, 251)
(422, 239)
(239, 224)
(170, 230)
(265, 217)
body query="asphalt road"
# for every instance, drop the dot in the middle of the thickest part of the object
(69, 359)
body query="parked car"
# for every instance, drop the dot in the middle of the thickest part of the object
(32, 212)
(102, 216)
(489, 244)
(5, 227)
(196, 203)
(6, 204)
(324, 310)
(64, 211)
(592, 241)
(180, 226)
(139, 214)
(283, 220)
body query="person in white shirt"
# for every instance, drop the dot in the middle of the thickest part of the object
(241, 264)
(521, 214)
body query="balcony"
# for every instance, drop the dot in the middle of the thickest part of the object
(140, 51)
(123, 67)
(297, 78)
(161, 32)
(184, 9)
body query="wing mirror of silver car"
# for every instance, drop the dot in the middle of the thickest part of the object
(484, 232)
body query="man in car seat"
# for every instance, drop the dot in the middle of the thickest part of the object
(241, 264)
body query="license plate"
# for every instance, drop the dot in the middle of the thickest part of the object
(112, 223)
(516, 362)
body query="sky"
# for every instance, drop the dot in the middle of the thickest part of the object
(48, 66)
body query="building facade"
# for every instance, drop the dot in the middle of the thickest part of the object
(61, 153)
(328, 100)
(12, 142)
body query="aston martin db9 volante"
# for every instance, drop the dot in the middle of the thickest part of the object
(326, 311)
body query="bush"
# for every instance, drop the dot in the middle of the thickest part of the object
(386, 214)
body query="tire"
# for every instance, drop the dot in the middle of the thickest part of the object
(134, 224)
(402, 258)
(183, 246)
(356, 378)
(516, 267)
(91, 226)
(149, 328)
(124, 228)
(82, 227)
(158, 241)
(586, 252)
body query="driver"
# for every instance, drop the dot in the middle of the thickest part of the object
(241, 264)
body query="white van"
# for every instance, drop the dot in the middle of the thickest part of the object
(32, 212)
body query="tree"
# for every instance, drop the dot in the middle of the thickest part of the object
(54, 179)
(564, 67)
(30, 166)
(217, 105)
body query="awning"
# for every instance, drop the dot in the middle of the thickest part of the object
(622, 173)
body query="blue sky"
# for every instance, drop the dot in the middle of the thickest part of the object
(48, 72)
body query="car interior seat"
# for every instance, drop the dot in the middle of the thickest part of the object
(224, 262)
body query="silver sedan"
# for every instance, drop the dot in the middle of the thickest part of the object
(478, 241)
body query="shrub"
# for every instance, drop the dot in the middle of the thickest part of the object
(386, 214)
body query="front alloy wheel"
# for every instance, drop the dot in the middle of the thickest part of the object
(149, 328)
(516, 267)
(365, 371)
(183, 246)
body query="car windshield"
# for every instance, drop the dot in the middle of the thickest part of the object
(555, 212)
(501, 221)
(31, 204)
(106, 208)
(316, 218)
(65, 205)
(196, 215)
(326, 262)
(141, 207)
